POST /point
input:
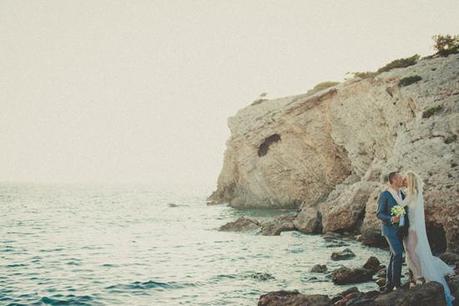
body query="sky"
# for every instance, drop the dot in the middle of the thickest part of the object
(96, 91)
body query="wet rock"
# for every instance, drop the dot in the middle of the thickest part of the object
(261, 276)
(319, 268)
(345, 275)
(373, 264)
(278, 225)
(293, 298)
(241, 224)
(343, 255)
(430, 293)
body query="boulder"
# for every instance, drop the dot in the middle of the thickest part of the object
(372, 264)
(319, 268)
(345, 211)
(343, 255)
(345, 275)
(308, 220)
(430, 293)
(293, 298)
(277, 225)
(241, 224)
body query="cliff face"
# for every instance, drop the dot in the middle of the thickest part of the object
(327, 153)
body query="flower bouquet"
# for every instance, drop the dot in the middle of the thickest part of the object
(399, 211)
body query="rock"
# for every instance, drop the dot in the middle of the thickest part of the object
(450, 258)
(293, 298)
(381, 282)
(277, 225)
(308, 220)
(371, 227)
(343, 255)
(336, 243)
(430, 293)
(372, 264)
(453, 283)
(319, 268)
(241, 224)
(345, 275)
(295, 151)
(346, 211)
(381, 272)
(261, 276)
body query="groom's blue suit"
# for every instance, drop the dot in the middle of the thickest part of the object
(392, 234)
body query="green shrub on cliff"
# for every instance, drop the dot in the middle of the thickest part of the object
(409, 80)
(400, 63)
(446, 44)
(321, 86)
(432, 111)
(364, 75)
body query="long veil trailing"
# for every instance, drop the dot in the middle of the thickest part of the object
(432, 267)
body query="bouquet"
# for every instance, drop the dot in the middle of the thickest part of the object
(399, 211)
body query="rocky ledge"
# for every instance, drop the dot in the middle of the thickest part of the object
(430, 293)
(326, 153)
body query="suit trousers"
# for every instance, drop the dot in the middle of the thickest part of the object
(394, 269)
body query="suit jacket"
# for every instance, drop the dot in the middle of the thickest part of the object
(385, 203)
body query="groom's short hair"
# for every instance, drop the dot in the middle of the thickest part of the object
(391, 176)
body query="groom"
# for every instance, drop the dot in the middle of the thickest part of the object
(392, 231)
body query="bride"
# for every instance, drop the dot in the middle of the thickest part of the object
(419, 257)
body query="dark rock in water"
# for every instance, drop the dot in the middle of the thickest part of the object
(293, 298)
(345, 275)
(278, 225)
(372, 264)
(430, 293)
(319, 268)
(336, 243)
(342, 255)
(173, 205)
(241, 224)
(261, 276)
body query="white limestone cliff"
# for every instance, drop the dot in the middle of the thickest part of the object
(327, 153)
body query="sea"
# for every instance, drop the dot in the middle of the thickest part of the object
(95, 244)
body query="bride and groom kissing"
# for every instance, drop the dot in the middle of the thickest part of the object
(403, 226)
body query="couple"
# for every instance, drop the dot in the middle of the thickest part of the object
(411, 236)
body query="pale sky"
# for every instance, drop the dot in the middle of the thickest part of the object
(140, 91)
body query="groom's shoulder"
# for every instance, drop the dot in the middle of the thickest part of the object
(384, 193)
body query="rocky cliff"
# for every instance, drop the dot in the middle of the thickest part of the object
(327, 153)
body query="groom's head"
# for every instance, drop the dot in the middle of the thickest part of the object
(395, 179)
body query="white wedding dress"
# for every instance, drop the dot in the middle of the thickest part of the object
(417, 248)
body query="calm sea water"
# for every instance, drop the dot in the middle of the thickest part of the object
(140, 245)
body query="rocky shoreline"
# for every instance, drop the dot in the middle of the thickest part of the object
(371, 271)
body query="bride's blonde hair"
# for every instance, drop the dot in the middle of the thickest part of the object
(414, 183)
